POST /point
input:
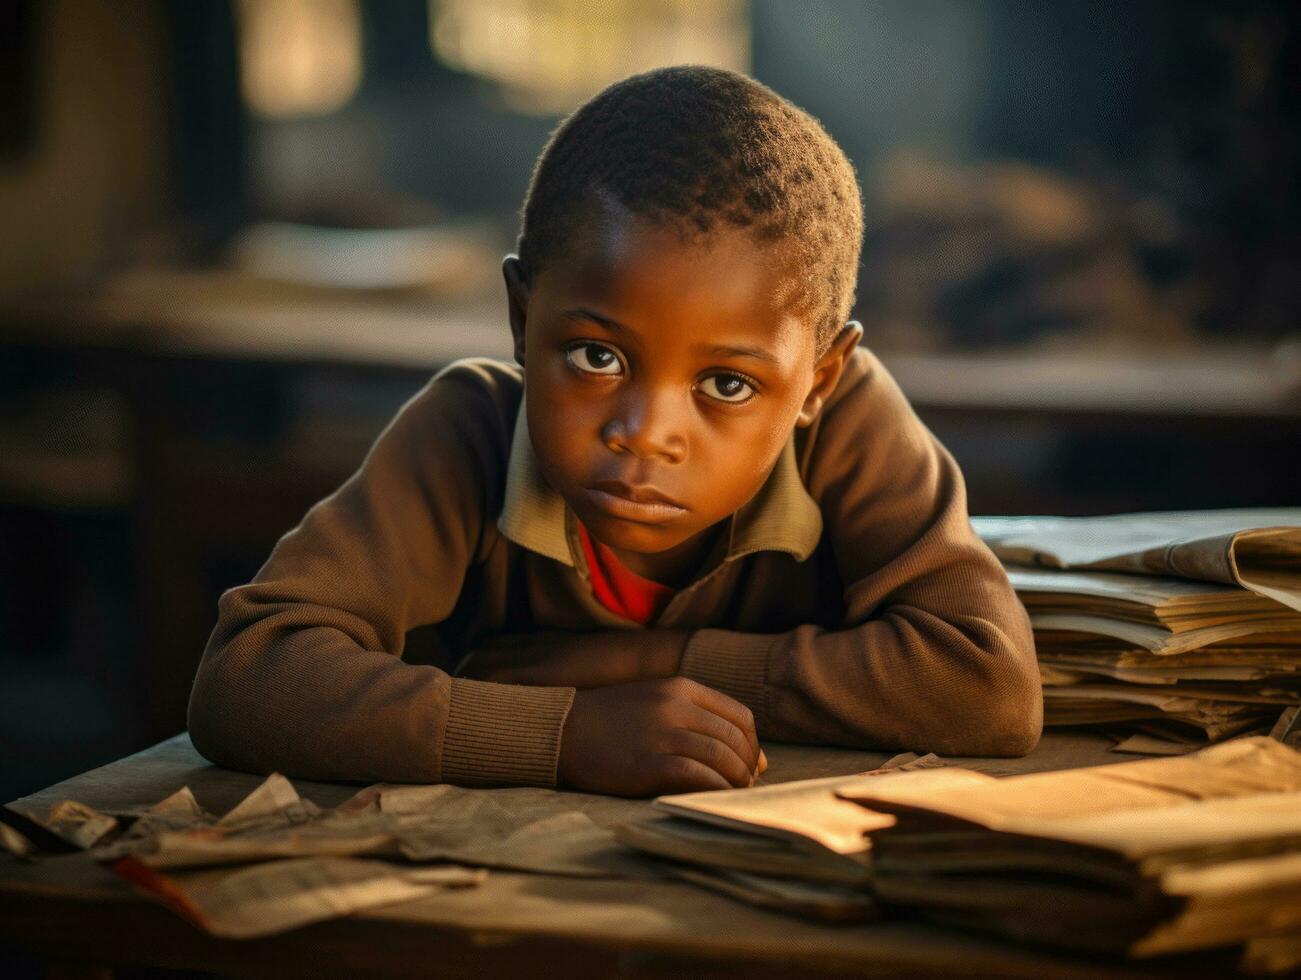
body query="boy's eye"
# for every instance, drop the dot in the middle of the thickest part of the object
(594, 358)
(727, 388)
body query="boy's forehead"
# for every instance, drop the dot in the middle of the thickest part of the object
(634, 268)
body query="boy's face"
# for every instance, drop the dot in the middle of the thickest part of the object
(663, 378)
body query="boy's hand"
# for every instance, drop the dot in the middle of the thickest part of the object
(559, 659)
(660, 736)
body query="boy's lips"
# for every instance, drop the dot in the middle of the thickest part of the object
(640, 502)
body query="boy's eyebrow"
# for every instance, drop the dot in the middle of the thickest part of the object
(614, 326)
(583, 313)
(756, 352)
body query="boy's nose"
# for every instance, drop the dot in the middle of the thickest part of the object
(647, 426)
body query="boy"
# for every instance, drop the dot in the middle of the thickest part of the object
(697, 511)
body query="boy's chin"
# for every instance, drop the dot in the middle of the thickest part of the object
(626, 535)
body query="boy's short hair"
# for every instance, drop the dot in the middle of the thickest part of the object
(689, 146)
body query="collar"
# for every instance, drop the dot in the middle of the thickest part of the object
(781, 516)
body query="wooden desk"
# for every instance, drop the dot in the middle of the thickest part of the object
(71, 910)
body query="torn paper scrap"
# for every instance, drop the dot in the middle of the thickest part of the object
(1141, 743)
(275, 802)
(566, 843)
(418, 823)
(276, 896)
(179, 810)
(79, 824)
(908, 762)
(207, 846)
(516, 829)
(14, 842)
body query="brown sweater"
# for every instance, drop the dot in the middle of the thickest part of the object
(853, 604)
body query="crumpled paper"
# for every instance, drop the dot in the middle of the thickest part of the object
(301, 864)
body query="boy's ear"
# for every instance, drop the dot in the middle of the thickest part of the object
(517, 300)
(826, 373)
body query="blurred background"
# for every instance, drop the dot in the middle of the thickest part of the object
(236, 236)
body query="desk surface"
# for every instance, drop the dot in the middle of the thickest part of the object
(71, 908)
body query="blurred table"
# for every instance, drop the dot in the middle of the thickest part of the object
(71, 910)
(220, 315)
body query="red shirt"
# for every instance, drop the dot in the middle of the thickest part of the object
(619, 589)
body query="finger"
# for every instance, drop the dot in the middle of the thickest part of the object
(713, 753)
(763, 762)
(704, 722)
(682, 775)
(730, 709)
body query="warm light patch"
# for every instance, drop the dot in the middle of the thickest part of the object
(550, 55)
(299, 57)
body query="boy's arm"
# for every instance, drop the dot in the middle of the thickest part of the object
(935, 652)
(581, 659)
(303, 672)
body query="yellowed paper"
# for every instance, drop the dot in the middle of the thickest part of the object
(807, 809)
(566, 843)
(696, 842)
(79, 824)
(276, 896)
(833, 903)
(1238, 768)
(14, 842)
(1141, 743)
(1256, 549)
(418, 822)
(1154, 639)
(275, 802)
(1273, 954)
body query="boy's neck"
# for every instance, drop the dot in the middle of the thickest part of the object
(679, 565)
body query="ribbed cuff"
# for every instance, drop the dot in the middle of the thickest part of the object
(503, 734)
(732, 662)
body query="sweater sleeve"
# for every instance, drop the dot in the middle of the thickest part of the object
(935, 652)
(303, 672)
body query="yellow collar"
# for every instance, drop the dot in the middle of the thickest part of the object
(781, 516)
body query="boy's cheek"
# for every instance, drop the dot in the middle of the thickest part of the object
(559, 400)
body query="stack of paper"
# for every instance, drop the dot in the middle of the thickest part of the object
(1182, 627)
(1143, 857)
(795, 846)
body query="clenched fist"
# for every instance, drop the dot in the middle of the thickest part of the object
(658, 736)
